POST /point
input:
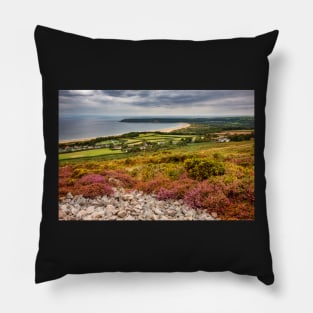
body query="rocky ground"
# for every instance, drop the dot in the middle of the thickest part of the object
(127, 206)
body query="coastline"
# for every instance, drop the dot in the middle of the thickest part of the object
(168, 130)
(164, 130)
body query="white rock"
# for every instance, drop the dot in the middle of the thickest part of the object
(157, 211)
(99, 209)
(74, 210)
(128, 197)
(90, 209)
(129, 218)
(69, 195)
(171, 212)
(65, 208)
(110, 207)
(121, 214)
(214, 214)
(81, 213)
(87, 218)
(96, 215)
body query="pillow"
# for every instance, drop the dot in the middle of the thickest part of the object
(154, 155)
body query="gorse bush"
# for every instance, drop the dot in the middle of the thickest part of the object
(79, 172)
(218, 156)
(173, 171)
(175, 158)
(150, 171)
(129, 161)
(201, 169)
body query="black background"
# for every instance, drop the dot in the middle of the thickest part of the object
(72, 62)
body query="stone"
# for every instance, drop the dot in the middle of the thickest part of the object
(138, 207)
(190, 214)
(99, 209)
(129, 218)
(121, 214)
(62, 215)
(128, 197)
(128, 205)
(96, 215)
(65, 208)
(74, 210)
(147, 214)
(171, 212)
(87, 218)
(108, 213)
(214, 214)
(202, 216)
(110, 207)
(80, 214)
(157, 211)
(69, 195)
(90, 209)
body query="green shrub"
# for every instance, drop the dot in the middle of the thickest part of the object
(201, 169)
(172, 170)
(149, 172)
(218, 156)
(129, 161)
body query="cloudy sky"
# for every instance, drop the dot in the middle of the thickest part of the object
(157, 102)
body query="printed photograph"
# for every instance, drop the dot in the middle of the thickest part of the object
(156, 155)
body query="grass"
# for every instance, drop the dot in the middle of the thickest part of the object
(88, 153)
(202, 149)
(152, 137)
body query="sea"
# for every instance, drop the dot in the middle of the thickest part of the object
(90, 126)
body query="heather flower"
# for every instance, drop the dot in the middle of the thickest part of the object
(65, 171)
(207, 196)
(119, 178)
(91, 179)
(92, 190)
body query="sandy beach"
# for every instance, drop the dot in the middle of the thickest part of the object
(168, 130)
(164, 130)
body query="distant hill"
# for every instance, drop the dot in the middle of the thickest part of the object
(232, 122)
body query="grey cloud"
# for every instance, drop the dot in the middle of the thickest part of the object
(152, 102)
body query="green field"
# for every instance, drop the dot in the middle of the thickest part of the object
(137, 141)
(149, 144)
(88, 153)
(203, 148)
